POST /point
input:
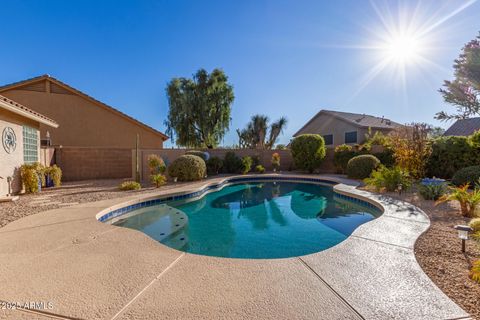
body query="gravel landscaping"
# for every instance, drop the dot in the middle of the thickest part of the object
(70, 193)
(438, 252)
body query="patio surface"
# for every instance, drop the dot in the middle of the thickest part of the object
(92, 270)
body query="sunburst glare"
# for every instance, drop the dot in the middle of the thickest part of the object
(404, 40)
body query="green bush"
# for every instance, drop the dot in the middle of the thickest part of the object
(214, 165)
(232, 163)
(450, 154)
(475, 224)
(130, 185)
(188, 168)
(260, 169)
(158, 179)
(343, 154)
(156, 164)
(360, 167)
(386, 157)
(308, 151)
(55, 174)
(202, 154)
(246, 164)
(432, 189)
(389, 179)
(466, 175)
(255, 161)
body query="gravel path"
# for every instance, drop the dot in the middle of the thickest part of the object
(438, 252)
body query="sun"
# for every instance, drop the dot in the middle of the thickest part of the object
(403, 49)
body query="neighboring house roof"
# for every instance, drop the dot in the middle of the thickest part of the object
(17, 108)
(463, 127)
(81, 94)
(357, 119)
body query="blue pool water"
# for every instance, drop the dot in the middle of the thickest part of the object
(254, 220)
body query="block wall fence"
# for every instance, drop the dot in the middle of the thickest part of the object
(84, 163)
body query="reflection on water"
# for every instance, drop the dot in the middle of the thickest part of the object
(263, 220)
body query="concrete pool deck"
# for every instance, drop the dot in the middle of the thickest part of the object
(91, 270)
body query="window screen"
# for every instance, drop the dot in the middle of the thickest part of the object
(328, 139)
(351, 137)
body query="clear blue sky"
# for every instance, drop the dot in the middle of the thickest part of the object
(284, 58)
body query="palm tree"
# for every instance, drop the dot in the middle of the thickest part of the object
(255, 134)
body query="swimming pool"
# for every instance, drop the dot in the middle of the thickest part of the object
(256, 219)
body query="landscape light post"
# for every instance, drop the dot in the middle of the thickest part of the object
(463, 234)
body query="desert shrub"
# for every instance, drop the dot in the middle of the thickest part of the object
(158, 179)
(308, 151)
(188, 168)
(55, 173)
(432, 189)
(232, 163)
(276, 161)
(360, 167)
(156, 164)
(343, 154)
(411, 148)
(466, 175)
(259, 168)
(475, 224)
(130, 185)
(475, 271)
(202, 154)
(246, 165)
(255, 161)
(214, 165)
(475, 139)
(450, 154)
(469, 201)
(389, 179)
(31, 176)
(386, 157)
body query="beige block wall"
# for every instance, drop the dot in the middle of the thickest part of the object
(10, 163)
(83, 123)
(94, 163)
(326, 124)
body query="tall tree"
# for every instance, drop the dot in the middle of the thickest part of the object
(199, 114)
(464, 91)
(257, 130)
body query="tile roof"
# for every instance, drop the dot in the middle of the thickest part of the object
(463, 127)
(21, 108)
(78, 92)
(358, 119)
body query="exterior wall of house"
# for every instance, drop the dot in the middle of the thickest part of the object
(82, 122)
(10, 162)
(326, 124)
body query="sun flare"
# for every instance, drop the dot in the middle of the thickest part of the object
(403, 49)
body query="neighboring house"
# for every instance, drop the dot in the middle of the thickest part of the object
(344, 127)
(19, 130)
(463, 127)
(84, 121)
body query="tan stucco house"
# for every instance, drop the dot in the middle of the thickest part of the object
(344, 127)
(84, 121)
(20, 134)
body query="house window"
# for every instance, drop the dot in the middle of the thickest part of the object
(328, 139)
(30, 144)
(351, 137)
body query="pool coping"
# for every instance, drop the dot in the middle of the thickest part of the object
(394, 287)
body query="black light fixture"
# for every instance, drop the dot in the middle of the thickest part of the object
(463, 232)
